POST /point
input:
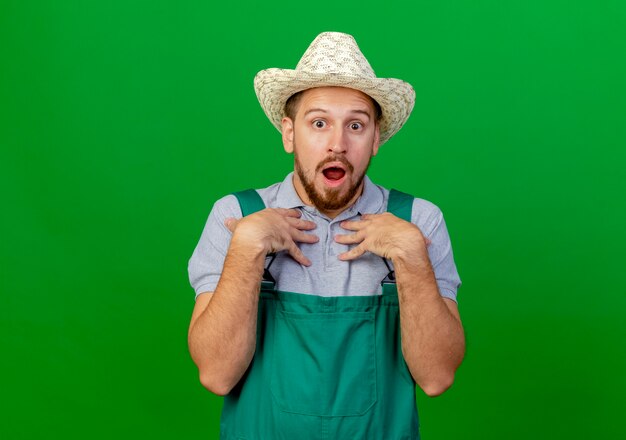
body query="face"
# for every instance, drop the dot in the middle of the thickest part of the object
(333, 137)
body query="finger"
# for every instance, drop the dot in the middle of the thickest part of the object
(288, 212)
(231, 223)
(353, 225)
(297, 255)
(373, 216)
(352, 254)
(301, 224)
(349, 238)
(303, 237)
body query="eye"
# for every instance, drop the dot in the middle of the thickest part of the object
(356, 126)
(319, 123)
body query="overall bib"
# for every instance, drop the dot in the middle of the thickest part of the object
(324, 367)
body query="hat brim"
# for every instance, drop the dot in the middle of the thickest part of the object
(396, 98)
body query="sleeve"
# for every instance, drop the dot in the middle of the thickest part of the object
(429, 219)
(207, 261)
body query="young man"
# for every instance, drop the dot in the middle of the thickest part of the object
(358, 302)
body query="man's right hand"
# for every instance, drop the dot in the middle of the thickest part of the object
(273, 230)
(222, 333)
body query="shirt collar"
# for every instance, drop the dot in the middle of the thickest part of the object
(287, 197)
(370, 201)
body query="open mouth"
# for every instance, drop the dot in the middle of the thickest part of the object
(334, 173)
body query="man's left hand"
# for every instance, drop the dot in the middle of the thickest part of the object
(386, 236)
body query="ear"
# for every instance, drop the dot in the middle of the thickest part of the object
(287, 131)
(376, 140)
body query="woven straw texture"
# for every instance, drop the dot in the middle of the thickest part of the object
(334, 59)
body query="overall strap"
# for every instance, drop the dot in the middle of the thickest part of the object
(250, 202)
(401, 205)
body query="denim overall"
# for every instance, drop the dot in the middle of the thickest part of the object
(324, 367)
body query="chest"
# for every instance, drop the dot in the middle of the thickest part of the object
(328, 275)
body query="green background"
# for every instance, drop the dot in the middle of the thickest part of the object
(123, 121)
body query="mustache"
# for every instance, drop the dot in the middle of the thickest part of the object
(330, 159)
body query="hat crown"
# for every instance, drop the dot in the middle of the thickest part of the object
(334, 60)
(335, 53)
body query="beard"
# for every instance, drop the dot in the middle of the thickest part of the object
(331, 199)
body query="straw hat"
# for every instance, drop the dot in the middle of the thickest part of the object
(334, 59)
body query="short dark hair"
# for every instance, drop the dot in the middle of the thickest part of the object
(292, 104)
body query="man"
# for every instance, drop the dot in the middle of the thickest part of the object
(358, 297)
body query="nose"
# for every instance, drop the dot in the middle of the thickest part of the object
(337, 142)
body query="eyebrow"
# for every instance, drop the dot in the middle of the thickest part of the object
(321, 110)
(312, 110)
(364, 112)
